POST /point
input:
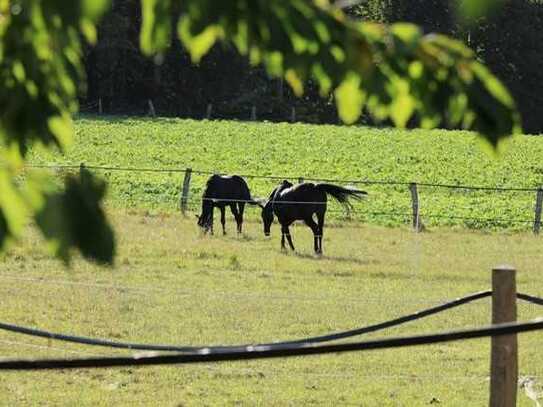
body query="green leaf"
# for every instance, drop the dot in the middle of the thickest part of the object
(12, 206)
(75, 219)
(409, 34)
(295, 82)
(4, 231)
(94, 9)
(156, 26)
(472, 10)
(350, 98)
(403, 104)
(62, 128)
(198, 45)
(89, 30)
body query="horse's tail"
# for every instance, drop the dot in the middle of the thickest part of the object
(341, 194)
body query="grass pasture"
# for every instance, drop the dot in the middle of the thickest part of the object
(172, 285)
(311, 151)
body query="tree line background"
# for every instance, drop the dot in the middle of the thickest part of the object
(510, 42)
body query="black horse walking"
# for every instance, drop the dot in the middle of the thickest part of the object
(222, 191)
(300, 202)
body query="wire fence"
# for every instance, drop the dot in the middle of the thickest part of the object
(251, 352)
(315, 339)
(304, 346)
(390, 202)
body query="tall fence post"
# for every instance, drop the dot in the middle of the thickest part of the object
(152, 111)
(209, 111)
(417, 226)
(100, 109)
(504, 351)
(253, 113)
(292, 114)
(538, 203)
(183, 202)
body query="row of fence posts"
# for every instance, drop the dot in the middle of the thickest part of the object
(416, 219)
(208, 114)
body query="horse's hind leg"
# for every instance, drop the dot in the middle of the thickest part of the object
(237, 215)
(320, 220)
(314, 227)
(241, 210)
(223, 220)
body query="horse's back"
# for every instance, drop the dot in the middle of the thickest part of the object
(227, 187)
(299, 202)
(305, 192)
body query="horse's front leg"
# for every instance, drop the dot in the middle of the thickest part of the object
(223, 220)
(210, 224)
(236, 214)
(286, 232)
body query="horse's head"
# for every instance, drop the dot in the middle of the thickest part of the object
(267, 217)
(204, 221)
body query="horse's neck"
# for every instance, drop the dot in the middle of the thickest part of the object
(207, 205)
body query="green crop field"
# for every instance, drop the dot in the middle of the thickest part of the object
(173, 285)
(311, 151)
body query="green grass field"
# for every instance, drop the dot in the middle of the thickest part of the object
(311, 151)
(172, 285)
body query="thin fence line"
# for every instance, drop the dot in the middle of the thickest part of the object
(222, 370)
(208, 355)
(193, 205)
(357, 211)
(475, 188)
(277, 372)
(499, 220)
(530, 298)
(275, 177)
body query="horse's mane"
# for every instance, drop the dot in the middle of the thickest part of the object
(284, 185)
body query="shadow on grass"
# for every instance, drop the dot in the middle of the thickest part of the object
(339, 259)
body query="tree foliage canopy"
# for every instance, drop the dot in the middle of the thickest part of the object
(395, 72)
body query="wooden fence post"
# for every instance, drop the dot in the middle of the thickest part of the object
(417, 226)
(81, 169)
(183, 202)
(292, 114)
(253, 113)
(209, 111)
(100, 109)
(538, 203)
(504, 352)
(152, 111)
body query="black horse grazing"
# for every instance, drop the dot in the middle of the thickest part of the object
(299, 202)
(222, 191)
